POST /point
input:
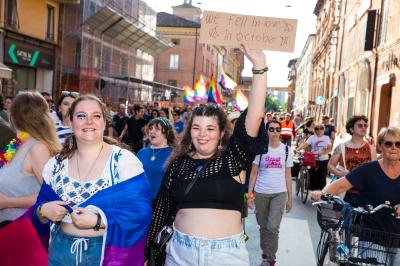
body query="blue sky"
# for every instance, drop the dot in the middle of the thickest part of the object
(302, 10)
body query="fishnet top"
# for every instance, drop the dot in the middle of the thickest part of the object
(216, 187)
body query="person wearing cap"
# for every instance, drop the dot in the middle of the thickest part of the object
(288, 130)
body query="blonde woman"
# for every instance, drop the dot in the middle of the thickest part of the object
(21, 175)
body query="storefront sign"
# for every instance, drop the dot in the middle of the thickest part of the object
(27, 55)
(391, 61)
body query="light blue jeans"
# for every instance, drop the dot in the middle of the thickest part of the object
(65, 249)
(186, 250)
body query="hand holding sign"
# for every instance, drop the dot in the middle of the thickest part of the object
(275, 34)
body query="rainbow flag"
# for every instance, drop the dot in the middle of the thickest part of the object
(227, 83)
(188, 95)
(241, 101)
(200, 89)
(213, 93)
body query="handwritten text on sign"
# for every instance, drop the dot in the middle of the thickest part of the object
(274, 34)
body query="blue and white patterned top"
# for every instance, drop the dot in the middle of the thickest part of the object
(62, 132)
(121, 165)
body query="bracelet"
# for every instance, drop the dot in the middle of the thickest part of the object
(260, 71)
(39, 211)
(98, 223)
(250, 196)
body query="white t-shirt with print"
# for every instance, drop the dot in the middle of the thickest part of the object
(271, 173)
(319, 144)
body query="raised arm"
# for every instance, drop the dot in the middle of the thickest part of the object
(258, 93)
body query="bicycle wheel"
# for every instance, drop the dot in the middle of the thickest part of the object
(323, 247)
(298, 183)
(301, 183)
(306, 185)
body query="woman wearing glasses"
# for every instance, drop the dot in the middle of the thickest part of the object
(63, 127)
(95, 196)
(271, 180)
(320, 146)
(202, 188)
(377, 182)
(352, 153)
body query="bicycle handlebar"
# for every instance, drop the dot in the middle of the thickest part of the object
(368, 209)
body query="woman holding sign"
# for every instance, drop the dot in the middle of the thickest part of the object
(202, 188)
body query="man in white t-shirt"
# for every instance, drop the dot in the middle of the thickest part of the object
(271, 181)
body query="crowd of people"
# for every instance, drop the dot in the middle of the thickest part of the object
(102, 185)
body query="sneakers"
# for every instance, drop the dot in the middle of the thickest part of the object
(265, 262)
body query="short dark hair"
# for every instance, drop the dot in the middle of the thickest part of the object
(353, 120)
(44, 93)
(137, 108)
(177, 112)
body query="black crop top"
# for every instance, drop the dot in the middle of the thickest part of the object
(216, 188)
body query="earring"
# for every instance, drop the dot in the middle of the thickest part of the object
(220, 145)
(70, 142)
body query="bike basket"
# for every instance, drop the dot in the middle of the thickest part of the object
(372, 247)
(309, 159)
(327, 216)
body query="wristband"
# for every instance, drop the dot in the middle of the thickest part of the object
(250, 196)
(260, 71)
(39, 211)
(98, 223)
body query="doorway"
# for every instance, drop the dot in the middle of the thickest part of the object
(384, 106)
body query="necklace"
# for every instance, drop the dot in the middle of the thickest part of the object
(153, 157)
(90, 169)
(11, 148)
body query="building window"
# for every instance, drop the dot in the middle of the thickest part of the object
(174, 61)
(207, 66)
(11, 13)
(176, 41)
(385, 18)
(173, 82)
(50, 23)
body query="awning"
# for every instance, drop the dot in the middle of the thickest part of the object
(5, 71)
(127, 30)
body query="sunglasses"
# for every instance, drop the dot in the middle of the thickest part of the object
(73, 94)
(390, 144)
(274, 129)
(319, 128)
(362, 125)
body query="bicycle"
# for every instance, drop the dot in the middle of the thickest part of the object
(349, 243)
(303, 180)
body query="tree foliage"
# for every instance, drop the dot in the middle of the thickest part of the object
(273, 105)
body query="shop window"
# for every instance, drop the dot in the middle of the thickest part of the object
(50, 23)
(11, 14)
(174, 61)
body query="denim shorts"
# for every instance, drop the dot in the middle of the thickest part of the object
(70, 250)
(186, 250)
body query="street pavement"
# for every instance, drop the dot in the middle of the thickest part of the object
(298, 237)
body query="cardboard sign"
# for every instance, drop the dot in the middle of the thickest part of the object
(274, 34)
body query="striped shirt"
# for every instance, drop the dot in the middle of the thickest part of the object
(62, 132)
